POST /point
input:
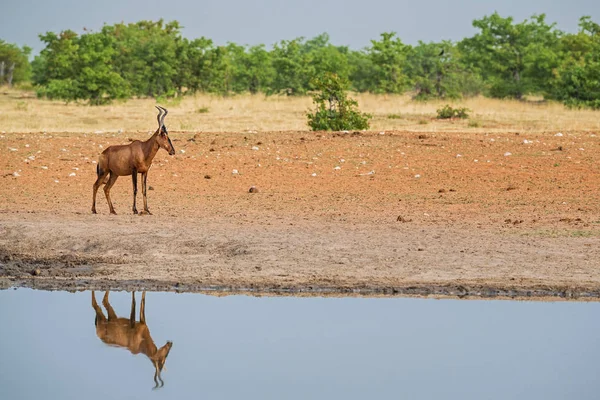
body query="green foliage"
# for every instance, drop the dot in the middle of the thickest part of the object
(152, 59)
(334, 110)
(14, 63)
(435, 71)
(514, 59)
(292, 70)
(449, 112)
(577, 80)
(388, 56)
(78, 68)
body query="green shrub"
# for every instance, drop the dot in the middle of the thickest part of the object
(448, 112)
(335, 111)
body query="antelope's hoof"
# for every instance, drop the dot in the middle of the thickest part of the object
(113, 212)
(135, 211)
(94, 211)
(148, 212)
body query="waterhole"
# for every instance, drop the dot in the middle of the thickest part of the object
(60, 345)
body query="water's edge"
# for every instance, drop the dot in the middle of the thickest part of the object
(449, 290)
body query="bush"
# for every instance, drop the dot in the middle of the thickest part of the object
(448, 112)
(335, 111)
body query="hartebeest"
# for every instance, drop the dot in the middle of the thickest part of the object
(131, 159)
(132, 335)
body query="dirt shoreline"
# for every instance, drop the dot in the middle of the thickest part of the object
(448, 214)
(283, 257)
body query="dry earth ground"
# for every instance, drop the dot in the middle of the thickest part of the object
(502, 207)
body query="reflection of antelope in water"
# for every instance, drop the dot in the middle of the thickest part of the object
(126, 332)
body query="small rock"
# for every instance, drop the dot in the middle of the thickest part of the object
(458, 155)
(337, 168)
(207, 177)
(558, 134)
(234, 172)
(44, 167)
(507, 154)
(527, 141)
(253, 189)
(417, 176)
(72, 174)
(36, 272)
(255, 148)
(402, 219)
(12, 149)
(182, 151)
(31, 158)
(15, 174)
(442, 191)
(314, 174)
(150, 187)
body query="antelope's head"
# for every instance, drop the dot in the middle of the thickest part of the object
(159, 363)
(163, 135)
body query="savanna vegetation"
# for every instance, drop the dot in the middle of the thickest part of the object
(504, 59)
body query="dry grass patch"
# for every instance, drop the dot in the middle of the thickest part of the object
(20, 111)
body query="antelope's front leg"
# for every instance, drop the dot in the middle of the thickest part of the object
(144, 187)
(134, 181)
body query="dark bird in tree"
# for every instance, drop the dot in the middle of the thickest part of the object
(441, 54)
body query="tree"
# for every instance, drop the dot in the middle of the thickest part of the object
(292, 70)
(577, 80)
(435, 71)
(146, 56)
(78, 68)
(361, 71)
(514, 59)
(14, 63)
(335, 111)
(388, 57)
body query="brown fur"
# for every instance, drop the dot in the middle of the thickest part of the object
(129, 334)
(130, 159)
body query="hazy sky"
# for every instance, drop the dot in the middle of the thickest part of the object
(349, 22)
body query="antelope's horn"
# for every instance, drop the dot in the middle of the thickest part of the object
(158, 116)
(162, 120)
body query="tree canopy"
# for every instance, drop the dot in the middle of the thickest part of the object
(504, 59)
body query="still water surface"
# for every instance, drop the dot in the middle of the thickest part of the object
(301, 348)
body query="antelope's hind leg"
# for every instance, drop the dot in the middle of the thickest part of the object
(99, 181)
(109, 184)
(112, 316)
(99, 314)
